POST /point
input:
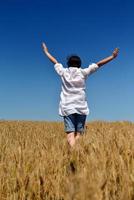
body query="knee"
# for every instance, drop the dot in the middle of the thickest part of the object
(71, 138)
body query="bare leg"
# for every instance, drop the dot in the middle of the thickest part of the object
(71, 138)
(77, 135)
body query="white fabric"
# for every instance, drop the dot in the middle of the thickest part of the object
(73, 96)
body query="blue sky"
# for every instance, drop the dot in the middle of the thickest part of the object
(29, 86)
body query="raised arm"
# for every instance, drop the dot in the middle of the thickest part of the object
(108, 59)
(45, 50)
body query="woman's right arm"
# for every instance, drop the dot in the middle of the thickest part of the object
(109, 58)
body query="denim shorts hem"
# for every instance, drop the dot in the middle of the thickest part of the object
(72, 130)
(74, 123)
(81, 132)
(69, 130)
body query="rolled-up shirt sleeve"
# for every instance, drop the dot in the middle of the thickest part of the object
(59, 68)
(90, 69)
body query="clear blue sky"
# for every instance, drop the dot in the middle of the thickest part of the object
(29, 86)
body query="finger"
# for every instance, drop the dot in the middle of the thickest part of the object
(115, 52)
(117, 49)
(44, 45)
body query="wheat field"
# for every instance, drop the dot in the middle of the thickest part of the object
(36, 162)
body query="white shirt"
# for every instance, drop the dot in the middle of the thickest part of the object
(73, 95)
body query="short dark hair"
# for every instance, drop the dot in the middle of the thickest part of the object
(74, 61)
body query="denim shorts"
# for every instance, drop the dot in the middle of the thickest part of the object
(74, 123)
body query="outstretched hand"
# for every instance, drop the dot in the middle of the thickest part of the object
(44, 47)
(45, 50)
(115, 52)
(109, 58)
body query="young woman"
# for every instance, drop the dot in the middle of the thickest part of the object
(73, 103)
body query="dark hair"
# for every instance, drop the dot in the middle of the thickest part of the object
(74, 61)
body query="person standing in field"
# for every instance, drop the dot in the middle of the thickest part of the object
(73, 105)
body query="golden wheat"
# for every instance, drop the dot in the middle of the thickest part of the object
(36, 162)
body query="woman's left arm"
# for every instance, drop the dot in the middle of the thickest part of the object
(45, 50)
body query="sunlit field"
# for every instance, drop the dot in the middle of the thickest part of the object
(37, 163)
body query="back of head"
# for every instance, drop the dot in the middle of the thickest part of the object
(74, 61)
